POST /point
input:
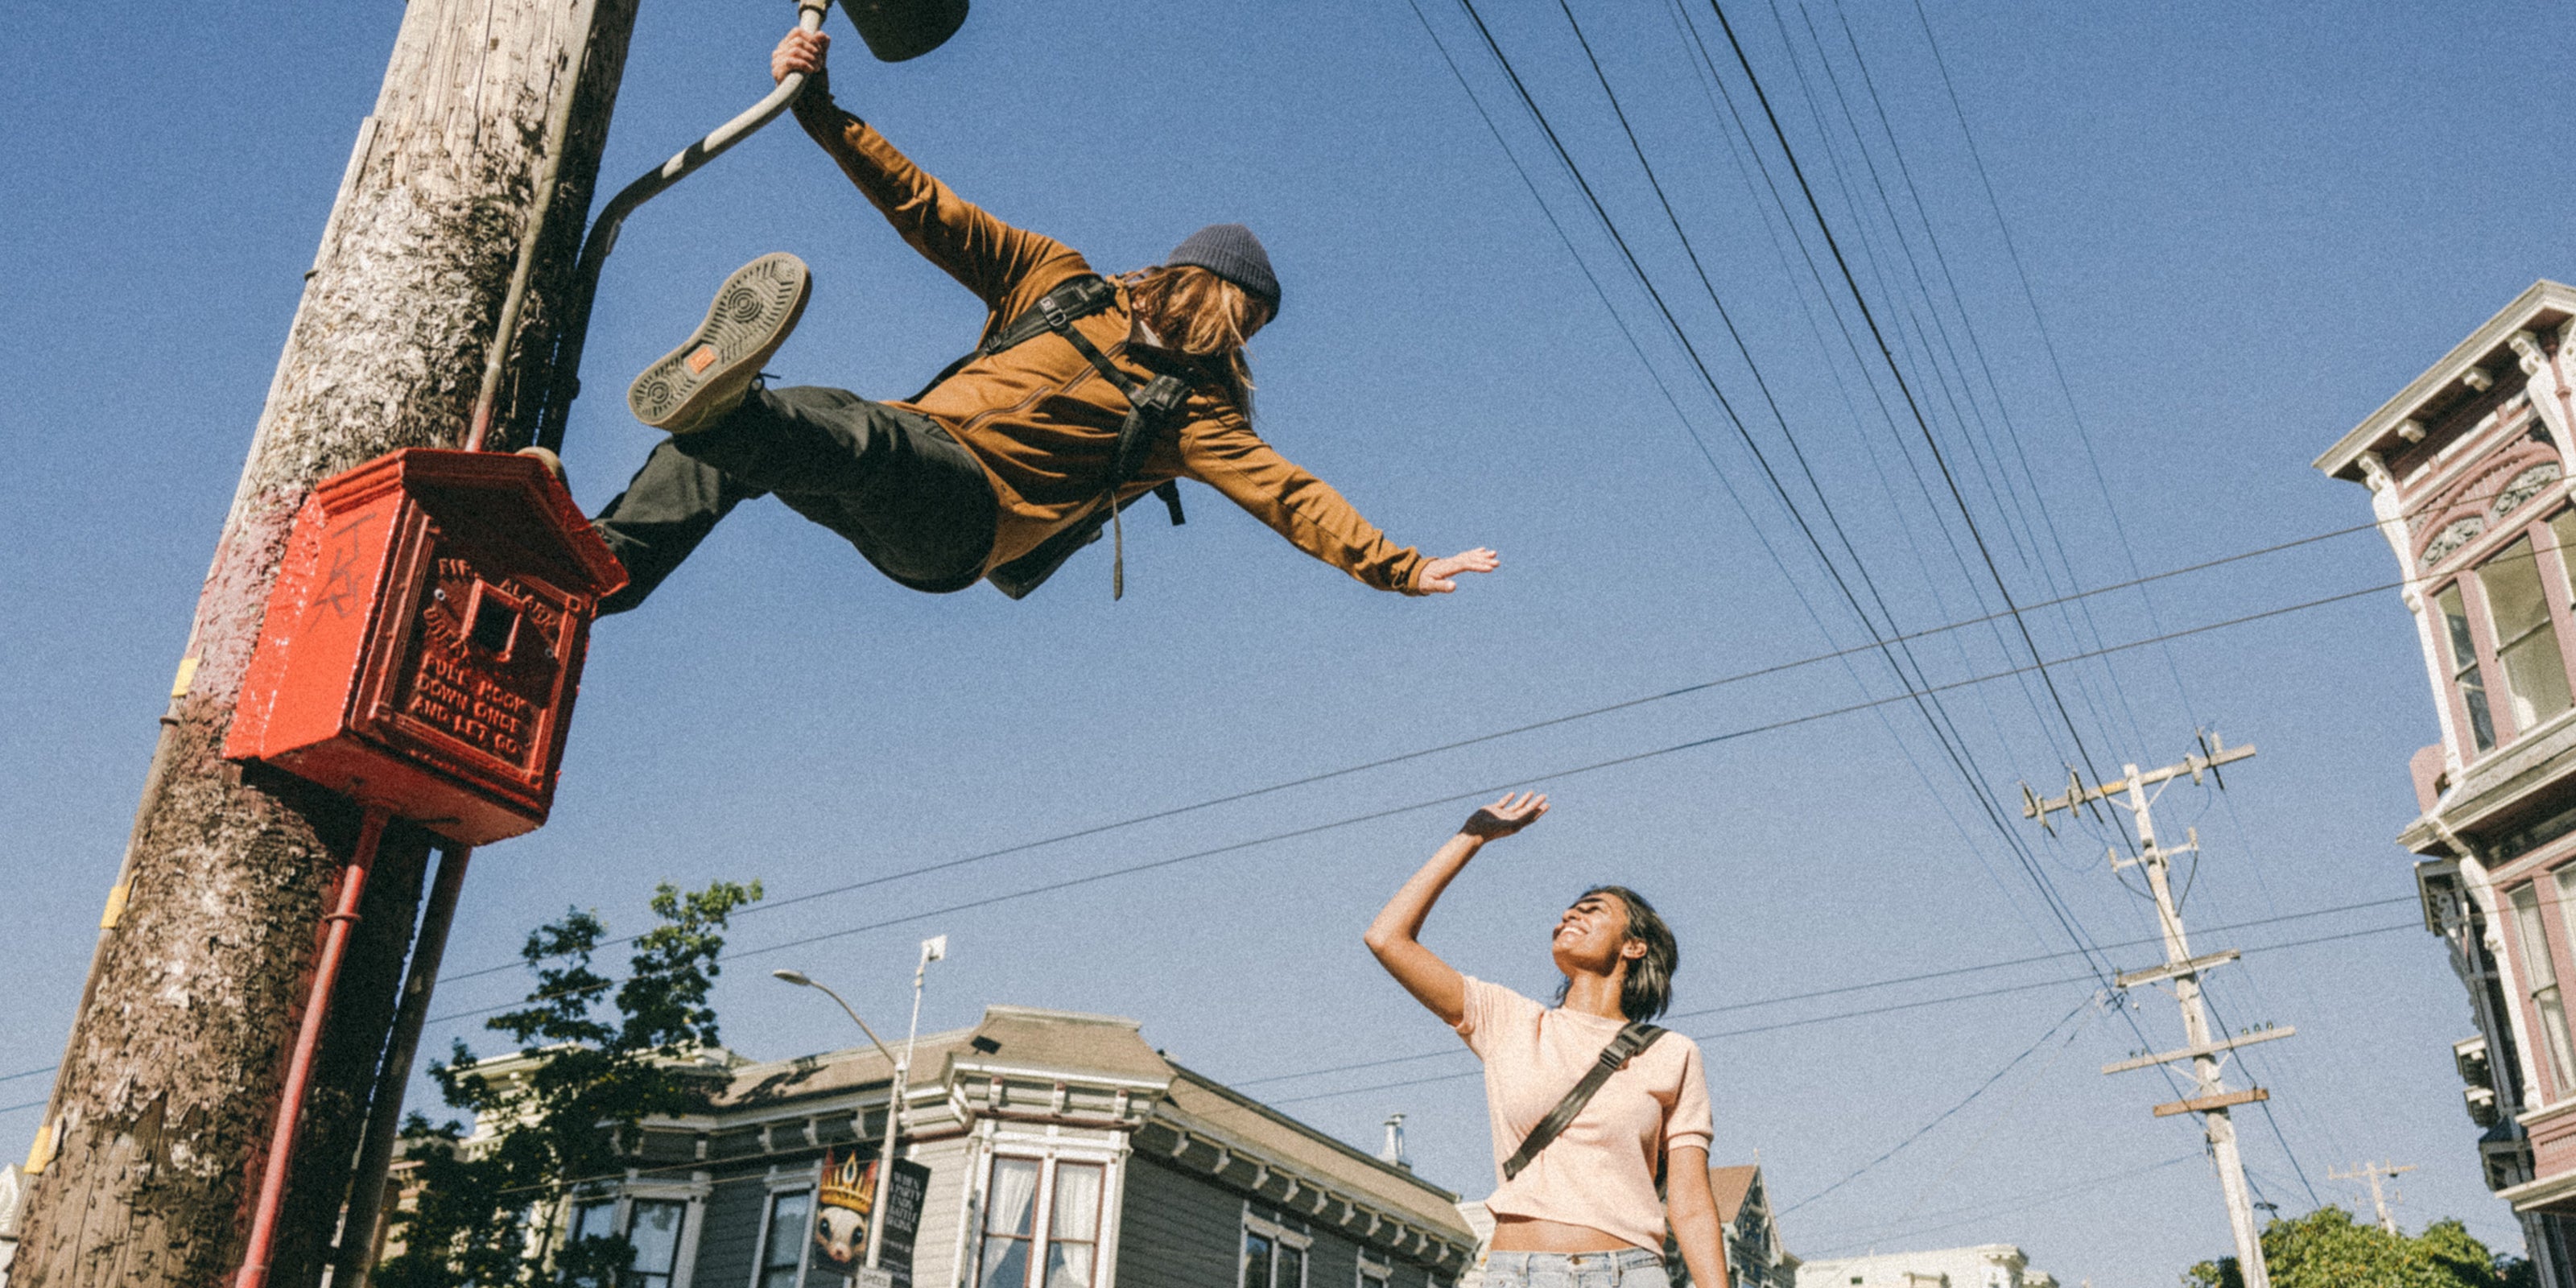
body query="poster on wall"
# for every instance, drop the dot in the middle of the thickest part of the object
(845, 1201)
(842, 1205)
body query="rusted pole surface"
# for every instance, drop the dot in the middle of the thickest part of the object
(170, 1078)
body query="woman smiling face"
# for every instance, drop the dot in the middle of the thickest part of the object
(1592, 937)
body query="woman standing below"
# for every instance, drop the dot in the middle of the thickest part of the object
(1580, 1210)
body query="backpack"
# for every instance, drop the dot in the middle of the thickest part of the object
(1152, 406)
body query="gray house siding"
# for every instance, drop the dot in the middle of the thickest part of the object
(730, 1237)
(1176, 1231)
(1333, 1262)
(943, 1207)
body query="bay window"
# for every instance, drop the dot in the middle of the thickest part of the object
(1042, 1224)
(2526, 644)
(2540, 982)
(2466, 679)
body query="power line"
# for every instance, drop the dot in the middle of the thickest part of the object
(1893, 982)
(1903, 386)
(1945, 1115)
(1477, 793)
(1454, 745)
(1931, 711)
(1750, 1030)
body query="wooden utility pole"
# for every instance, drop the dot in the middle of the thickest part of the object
(2182, 971)
(481, 155)
(2380, 1197)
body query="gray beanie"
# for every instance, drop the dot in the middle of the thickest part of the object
(1231, 251)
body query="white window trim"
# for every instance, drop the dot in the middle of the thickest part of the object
(684, 1259)
(794, 1182)
(1046, 1153)
(693, 1192)
(1373, 1271)
(1301, 1240)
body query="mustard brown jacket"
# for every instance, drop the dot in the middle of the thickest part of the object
(1041, 420)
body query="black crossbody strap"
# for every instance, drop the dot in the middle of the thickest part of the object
(1632, 1040)
(1057, 310)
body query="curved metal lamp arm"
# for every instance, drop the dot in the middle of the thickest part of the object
(826, 990)
(566, 376)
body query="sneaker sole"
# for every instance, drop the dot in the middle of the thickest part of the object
(752, 315)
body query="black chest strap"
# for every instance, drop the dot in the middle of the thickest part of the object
(1632, 1041)
(1151, 405)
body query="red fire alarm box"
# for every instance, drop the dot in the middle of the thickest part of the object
(425, 638)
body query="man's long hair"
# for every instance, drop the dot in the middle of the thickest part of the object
(1196, 312)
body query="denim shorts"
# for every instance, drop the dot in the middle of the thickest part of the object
(1626, 1268)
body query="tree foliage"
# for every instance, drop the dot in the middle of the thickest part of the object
(2327, 1248)
(488, 1205)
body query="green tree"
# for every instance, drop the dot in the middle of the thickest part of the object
(487, 1208)
(2328, 1249)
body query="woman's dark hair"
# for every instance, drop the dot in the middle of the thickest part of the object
(1648, 991)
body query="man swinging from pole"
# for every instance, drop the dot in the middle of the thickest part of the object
(1086, 394)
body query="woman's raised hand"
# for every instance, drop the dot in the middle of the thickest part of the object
(1440, 576)
(1505, 816)
(801, 51)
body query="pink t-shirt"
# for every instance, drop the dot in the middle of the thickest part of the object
(1600, 1172)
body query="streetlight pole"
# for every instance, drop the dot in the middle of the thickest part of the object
(932, 949)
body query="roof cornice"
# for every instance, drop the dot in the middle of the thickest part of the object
(2542, 297)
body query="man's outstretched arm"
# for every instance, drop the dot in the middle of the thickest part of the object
(984, 254)
(1226, 455)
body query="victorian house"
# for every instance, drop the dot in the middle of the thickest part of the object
(2467, 473)
(1039, 1149)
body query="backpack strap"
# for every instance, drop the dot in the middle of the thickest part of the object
(1072, 300)
(1632, 1041)
(1151, 405)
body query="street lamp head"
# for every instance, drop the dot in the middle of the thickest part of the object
(796, 977)
(934, 949)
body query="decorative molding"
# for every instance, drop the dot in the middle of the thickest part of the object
(2448, 541)
(2526, 485)
(2526, 349)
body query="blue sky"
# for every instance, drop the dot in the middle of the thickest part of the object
(2243, 228)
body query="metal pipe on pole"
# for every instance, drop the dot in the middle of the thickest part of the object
(932, 949)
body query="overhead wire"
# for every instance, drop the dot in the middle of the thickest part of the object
(1419, 753)
(1761, 535)
(1904, 387)
(1956, 752)
(1945, 1115)
(1924, 977)
(1954, 744)
(2043, 564)
(1813, 1020)
(1449, 798)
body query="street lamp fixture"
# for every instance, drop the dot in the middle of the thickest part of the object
(801, 980)
(932, 949)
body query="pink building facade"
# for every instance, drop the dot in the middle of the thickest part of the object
(2470, 476)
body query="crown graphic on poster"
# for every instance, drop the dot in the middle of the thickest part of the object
(848, 1184)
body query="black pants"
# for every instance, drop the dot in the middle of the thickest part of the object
(890, 481)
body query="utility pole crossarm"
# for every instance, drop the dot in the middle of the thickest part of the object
(2203, 1049)
(2175, 970)
(2223, 1100)
(2219, 753)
